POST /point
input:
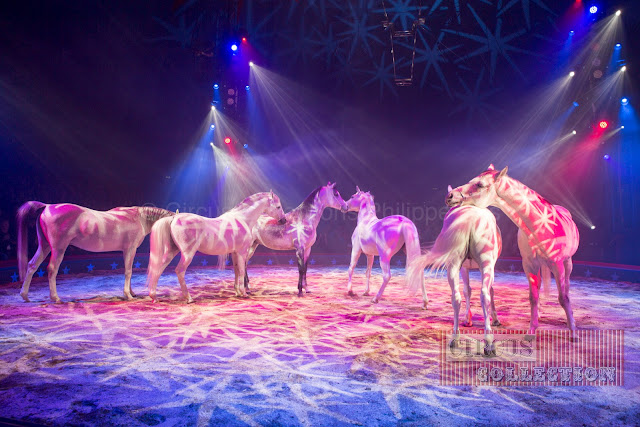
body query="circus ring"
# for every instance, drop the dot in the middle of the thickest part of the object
(276, 359)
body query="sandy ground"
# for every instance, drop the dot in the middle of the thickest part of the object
(276, 359)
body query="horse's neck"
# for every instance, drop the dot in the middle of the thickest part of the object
(367, 213)
(248, 214)
(149, 216)
(315, 210)
(521, 204)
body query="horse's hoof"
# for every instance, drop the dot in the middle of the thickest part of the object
(453, 343)
(300, 294)
(496, 323)
(467, 324)
(489, 352)
(57, 301)
(365, 294)
(190, 301)
(25, 298)
(351, 294)
(306, 291)
(375, 300)
(424, 306)
(133, 295)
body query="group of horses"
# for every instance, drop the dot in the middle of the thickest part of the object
(470, 238)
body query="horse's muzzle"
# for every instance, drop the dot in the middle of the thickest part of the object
(282, 221)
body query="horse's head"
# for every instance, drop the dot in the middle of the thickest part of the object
(480, 191)
(331, 198)
(274, 208)
(358, 200)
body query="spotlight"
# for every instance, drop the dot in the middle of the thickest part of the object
(571, 32)
(624, 68)
(593, 9)
(593, 227)
(244, 40)
(234, 47)
(618, 45)
(213, 107)
(250, 63)
(213, 127)
(247, 87)
(622, 127)
(606, 157)
(575, 104)
(574, 132)
(246, 145)
(572, 73)
(624, 101)
(211, 144)
(603, 124)
(227, 140)
(216, 86)
(618, 12)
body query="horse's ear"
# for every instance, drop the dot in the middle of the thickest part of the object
(502, 173)
(333, 185)
(271, 193)
(449, 189)
(177, 211)
(491, 168)
(357, 189)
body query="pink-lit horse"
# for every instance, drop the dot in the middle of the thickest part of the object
(61, 225)
(384, 238)
(230, 233)
(470, 238)
(548, 236)
(299, 232)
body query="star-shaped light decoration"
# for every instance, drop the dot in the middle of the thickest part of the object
(66, 269)
(313, 261)
(291, 261)
(204, 262)
(14, 277)
(269, 261)
(40, 273)
(358, 31)
(333, 261)
(588, 273)
(137, 264)
(384, 76)
(526, 9)
(90, 267)
(512, 268)
(114, 265)
(615, 277)
(399, 263)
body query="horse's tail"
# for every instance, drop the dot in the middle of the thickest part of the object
(26, 211)
(414, 275)
(222, 261)
(162, 246)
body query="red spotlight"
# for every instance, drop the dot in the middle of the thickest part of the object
(603, 124)
(244, 40)
(227, 140)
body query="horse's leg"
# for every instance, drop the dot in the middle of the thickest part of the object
(355, 254)
(154, 275)
(181, 268)
(54, 264)
(129, 255)
(252, 250)
(300, 258)
(532, 272)
(453, 275)
(239, 261)
(562, 281)
(546, 279)
(385, 265)
(486, 270)
(494, 313)
(370, 259)
(41, 253)
(307, 252)
(464, 272)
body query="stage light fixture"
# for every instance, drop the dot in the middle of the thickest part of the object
(246, 145)
(622, 127)
(213, 107)
(624, 101)
(606, 157)
(227, 140)
(572, 73)
(575, 104)
(234, 47)
(593, 9)
(216, 86)
(213, 127)
(571, 32)
(593, 227)
(603, 124)
(211, 144)
(574, 132)
(624, 68)
(618, 45)
(247, 87)
(618, 12)
(250, 63)
(244, 40)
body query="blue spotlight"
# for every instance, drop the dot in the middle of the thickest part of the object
(213, 127)
(575, 104)
(593, 9)
(618, 45)
(624, 101)
(216, 86)
(571, 32)
(234, 47)
(606, 157)
(247, 87)
(246, 145)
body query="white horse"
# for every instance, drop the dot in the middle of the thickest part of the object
(384, 238)
(470, 238)
(299, 232)
(61, 225)
(548, 236)
(230, 233)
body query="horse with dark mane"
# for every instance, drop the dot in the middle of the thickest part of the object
(61, 225)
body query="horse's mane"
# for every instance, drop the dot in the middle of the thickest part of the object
(249, 201)
(306, 204)
(152, 213)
